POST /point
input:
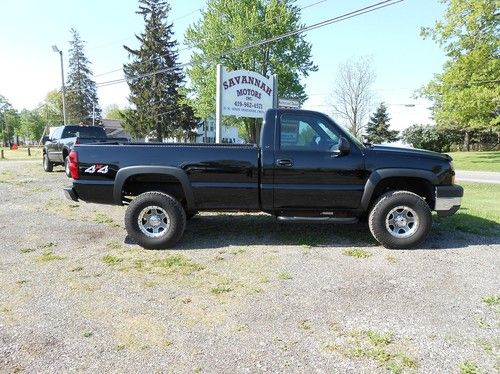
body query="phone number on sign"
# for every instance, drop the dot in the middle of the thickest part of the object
(248, 105)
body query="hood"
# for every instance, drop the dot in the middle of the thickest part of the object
(409, 152)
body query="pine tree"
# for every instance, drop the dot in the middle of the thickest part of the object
(82, 100)
(377, 130)
(154, 77)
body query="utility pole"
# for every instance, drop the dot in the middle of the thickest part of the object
(55, 49)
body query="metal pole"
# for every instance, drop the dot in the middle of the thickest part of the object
(218, 105)
(275, 91)
(63, 88)
(93, 114)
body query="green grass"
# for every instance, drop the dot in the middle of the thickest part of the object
(376, 346)
(357, 252)
(468, 367)
(492, 300)
(476, 161)
(49, 256)
(87, 334)
(480, 211)
(21, 154)
(283, 275)
(178, 263)
(111, 260)
(104, 218)
(220, 289)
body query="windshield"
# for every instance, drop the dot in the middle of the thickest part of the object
(351, 137)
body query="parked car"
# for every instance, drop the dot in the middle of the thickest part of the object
(306, 168)
(58, 146)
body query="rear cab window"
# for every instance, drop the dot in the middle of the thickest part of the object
(84, 132)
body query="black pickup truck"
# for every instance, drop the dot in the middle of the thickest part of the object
(306, 168)
(58, 146)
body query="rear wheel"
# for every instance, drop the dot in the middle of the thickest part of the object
(66, 167)
(48, 166)
(155, 220)
(400, 219)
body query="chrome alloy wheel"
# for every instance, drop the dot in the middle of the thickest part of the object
(66, 168)
(401, 222)
(153, 221)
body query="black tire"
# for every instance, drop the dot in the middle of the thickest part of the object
(167, 217)
(400, 219)
(66, 167)
(48, 166)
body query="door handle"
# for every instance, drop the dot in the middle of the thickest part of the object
(284, 162)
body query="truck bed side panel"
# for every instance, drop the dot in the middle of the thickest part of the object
(222, 177)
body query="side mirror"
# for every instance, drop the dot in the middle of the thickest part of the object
(45, 139)
(344, 146)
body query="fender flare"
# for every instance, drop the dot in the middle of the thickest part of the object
(123, 174)
(378, 175)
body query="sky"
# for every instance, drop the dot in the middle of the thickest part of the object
(402, 60)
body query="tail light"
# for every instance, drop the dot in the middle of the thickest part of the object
(73, 165)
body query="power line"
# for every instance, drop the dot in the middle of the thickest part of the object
(188, 47)
(343, 17)
(313, 4)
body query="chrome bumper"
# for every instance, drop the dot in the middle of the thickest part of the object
(448, 199)
(70, 194)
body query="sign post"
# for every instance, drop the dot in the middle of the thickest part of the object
(218, 105)
(243, 93)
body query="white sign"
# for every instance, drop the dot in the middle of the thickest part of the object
(245, 93)
(288, 103)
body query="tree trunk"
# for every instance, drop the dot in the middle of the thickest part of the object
(159, 134)
(467, 141)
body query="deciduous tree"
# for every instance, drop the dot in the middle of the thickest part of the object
(352, 95)
(9, 121)
(466, 94)
(220, 37)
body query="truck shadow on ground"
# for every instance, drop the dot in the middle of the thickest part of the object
(222, 230)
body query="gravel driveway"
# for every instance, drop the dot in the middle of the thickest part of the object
(241, 293)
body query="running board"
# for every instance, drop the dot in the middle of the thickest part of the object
(343, 220)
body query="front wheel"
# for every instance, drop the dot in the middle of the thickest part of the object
(400, 219)
(48, 166)
(155, 220)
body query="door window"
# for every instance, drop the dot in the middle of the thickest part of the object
(57, 133)
(307, 133)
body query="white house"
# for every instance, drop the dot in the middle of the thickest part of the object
(205, 133)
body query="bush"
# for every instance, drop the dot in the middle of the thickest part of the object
(426, 137)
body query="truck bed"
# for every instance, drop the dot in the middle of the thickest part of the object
(222, 176)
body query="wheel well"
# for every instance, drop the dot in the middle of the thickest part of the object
(419, 186)
(138, 184)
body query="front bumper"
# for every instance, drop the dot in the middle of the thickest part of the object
(448, 199)
(70, 193)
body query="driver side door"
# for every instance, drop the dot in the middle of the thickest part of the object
(310, 174)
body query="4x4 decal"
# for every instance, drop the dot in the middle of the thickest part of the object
(97, 168)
